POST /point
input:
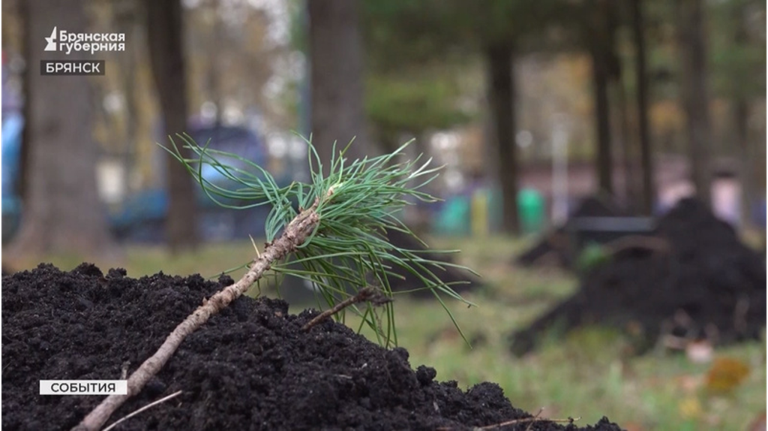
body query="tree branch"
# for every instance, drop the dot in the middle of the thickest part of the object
(300, 228)
(366, 294)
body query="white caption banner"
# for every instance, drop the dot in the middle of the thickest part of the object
(83, 387)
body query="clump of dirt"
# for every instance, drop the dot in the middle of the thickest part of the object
(705, 285)
(250, 367)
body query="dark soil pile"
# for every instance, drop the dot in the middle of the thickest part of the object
(251, 367)
(707, 284)
(555, 243)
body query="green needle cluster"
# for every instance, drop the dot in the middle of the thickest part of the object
(357, 203)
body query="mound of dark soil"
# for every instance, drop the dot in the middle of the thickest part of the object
(706, 284)
(555, 244)
(250, 367)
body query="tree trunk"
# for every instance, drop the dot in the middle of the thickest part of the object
(757, 155)
(30, 51)
(695, 93)
(165, 36)
(741, 113)
(741, 125)
(126, 19)
(214, 64)
(600, 43)
(336, 55)
(646, 150)
(62, 212)
(626, 141)
(502, 99)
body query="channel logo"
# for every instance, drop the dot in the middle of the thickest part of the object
(51, 41)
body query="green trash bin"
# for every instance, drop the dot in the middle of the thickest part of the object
(453, 220)
(530, 205)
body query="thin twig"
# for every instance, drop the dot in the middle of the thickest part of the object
(297, 231)
(6, 365)
(148, 406)
(531, 420)
(366, 294)
(519, 421)
(255, 247)
(124, 370)
(536, 416)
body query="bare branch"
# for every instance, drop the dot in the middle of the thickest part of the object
(300, 228)
(369, 293)
(148, 406)
(529, 420)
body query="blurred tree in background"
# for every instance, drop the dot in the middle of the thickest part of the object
(452, 32)
(737, 39)
(63, 212)
(336, 55)
(600, 26)
(695, 92)
(165, 35)
(424, 90)
(643, 131)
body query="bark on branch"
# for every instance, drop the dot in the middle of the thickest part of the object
(369, 293)
(300, 228)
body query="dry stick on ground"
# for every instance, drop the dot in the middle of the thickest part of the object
(300, 228)
(531, 420)
(366, 294)
(148, 406)
(519, 421)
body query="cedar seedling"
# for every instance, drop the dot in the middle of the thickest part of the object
(333, 227)
(356, 202)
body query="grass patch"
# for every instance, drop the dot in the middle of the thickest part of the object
(139, 260)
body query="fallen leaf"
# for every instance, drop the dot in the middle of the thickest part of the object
(725, 375)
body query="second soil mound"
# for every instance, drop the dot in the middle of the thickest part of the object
(706, 284)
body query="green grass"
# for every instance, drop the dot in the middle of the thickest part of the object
(585, 375)
(208, 260)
